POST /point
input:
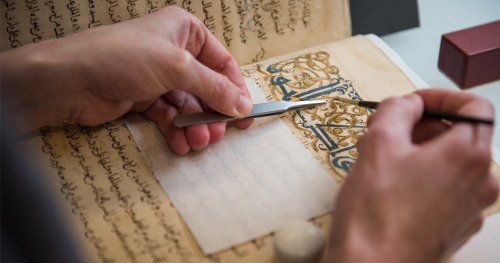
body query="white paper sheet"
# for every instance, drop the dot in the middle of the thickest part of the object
(248, 185)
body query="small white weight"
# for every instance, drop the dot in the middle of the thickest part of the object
(298, 242)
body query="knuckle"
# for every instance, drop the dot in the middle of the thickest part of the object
(220, 90)
(178, 66)
(378, 133)
(377, 141)
(395, 102)
(391, 100)
(183, 60)
(225, 63)
(478, 155)
(219, 86)
(489, 105)
(486, 106)
(463, 152)
(408, 105)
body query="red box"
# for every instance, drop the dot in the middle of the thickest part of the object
(471, 57)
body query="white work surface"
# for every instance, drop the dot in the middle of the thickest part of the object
(419, 48)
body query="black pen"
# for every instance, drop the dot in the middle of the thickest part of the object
(451, 117)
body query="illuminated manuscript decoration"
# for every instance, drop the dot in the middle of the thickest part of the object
(330, 131)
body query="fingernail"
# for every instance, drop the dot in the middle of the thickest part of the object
(244, 107)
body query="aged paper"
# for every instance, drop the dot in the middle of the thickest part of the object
(120, 209)
(338, 69)
(251, 30)
(249, 184)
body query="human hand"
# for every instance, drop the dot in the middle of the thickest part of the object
(163, 64)
(418, 188)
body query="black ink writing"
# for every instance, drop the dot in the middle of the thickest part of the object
(33, 8)
(112, 5)
(55, 19)
(93, 21)
(227, 27)
(12, 24)
(186, 4)
(131, 9)
(209, 20)
(74, 9)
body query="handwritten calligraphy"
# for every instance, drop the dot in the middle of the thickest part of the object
(227, 26)
(12, 24)
(153, 6)
(112, 6)
(292, 14)
(170, 2)
(93, 21)
(33, 8)
(70, 190)
(99, 170)
(74, 9)
(186, 4)
(242, 11)
(55, 19)
(274, 7)
(209, 20)
(306, 13)
(131, 8)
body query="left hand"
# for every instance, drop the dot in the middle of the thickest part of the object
(163, 64)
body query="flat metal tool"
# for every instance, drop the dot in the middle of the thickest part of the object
(259, 110)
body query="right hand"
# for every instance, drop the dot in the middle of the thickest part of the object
(419, 187)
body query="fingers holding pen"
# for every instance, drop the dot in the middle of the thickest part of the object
(393, 122)
(464, 104)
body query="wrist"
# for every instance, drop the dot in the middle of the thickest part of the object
(356, 243)
(30, 93)
(355, 248)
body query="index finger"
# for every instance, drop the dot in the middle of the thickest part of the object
(465, 104)
(395, 119)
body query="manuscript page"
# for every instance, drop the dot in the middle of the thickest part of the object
(120, 209)
(117, 204)
(355, 68)
(251, 30)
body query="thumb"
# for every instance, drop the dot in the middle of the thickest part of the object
(213, 88)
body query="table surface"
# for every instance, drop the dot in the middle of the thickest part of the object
(419, 47)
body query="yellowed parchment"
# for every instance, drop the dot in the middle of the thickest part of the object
(354, 68)
(118, 207)
(251, 30)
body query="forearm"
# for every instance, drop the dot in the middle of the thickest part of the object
(357, 243)
(34, 87)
